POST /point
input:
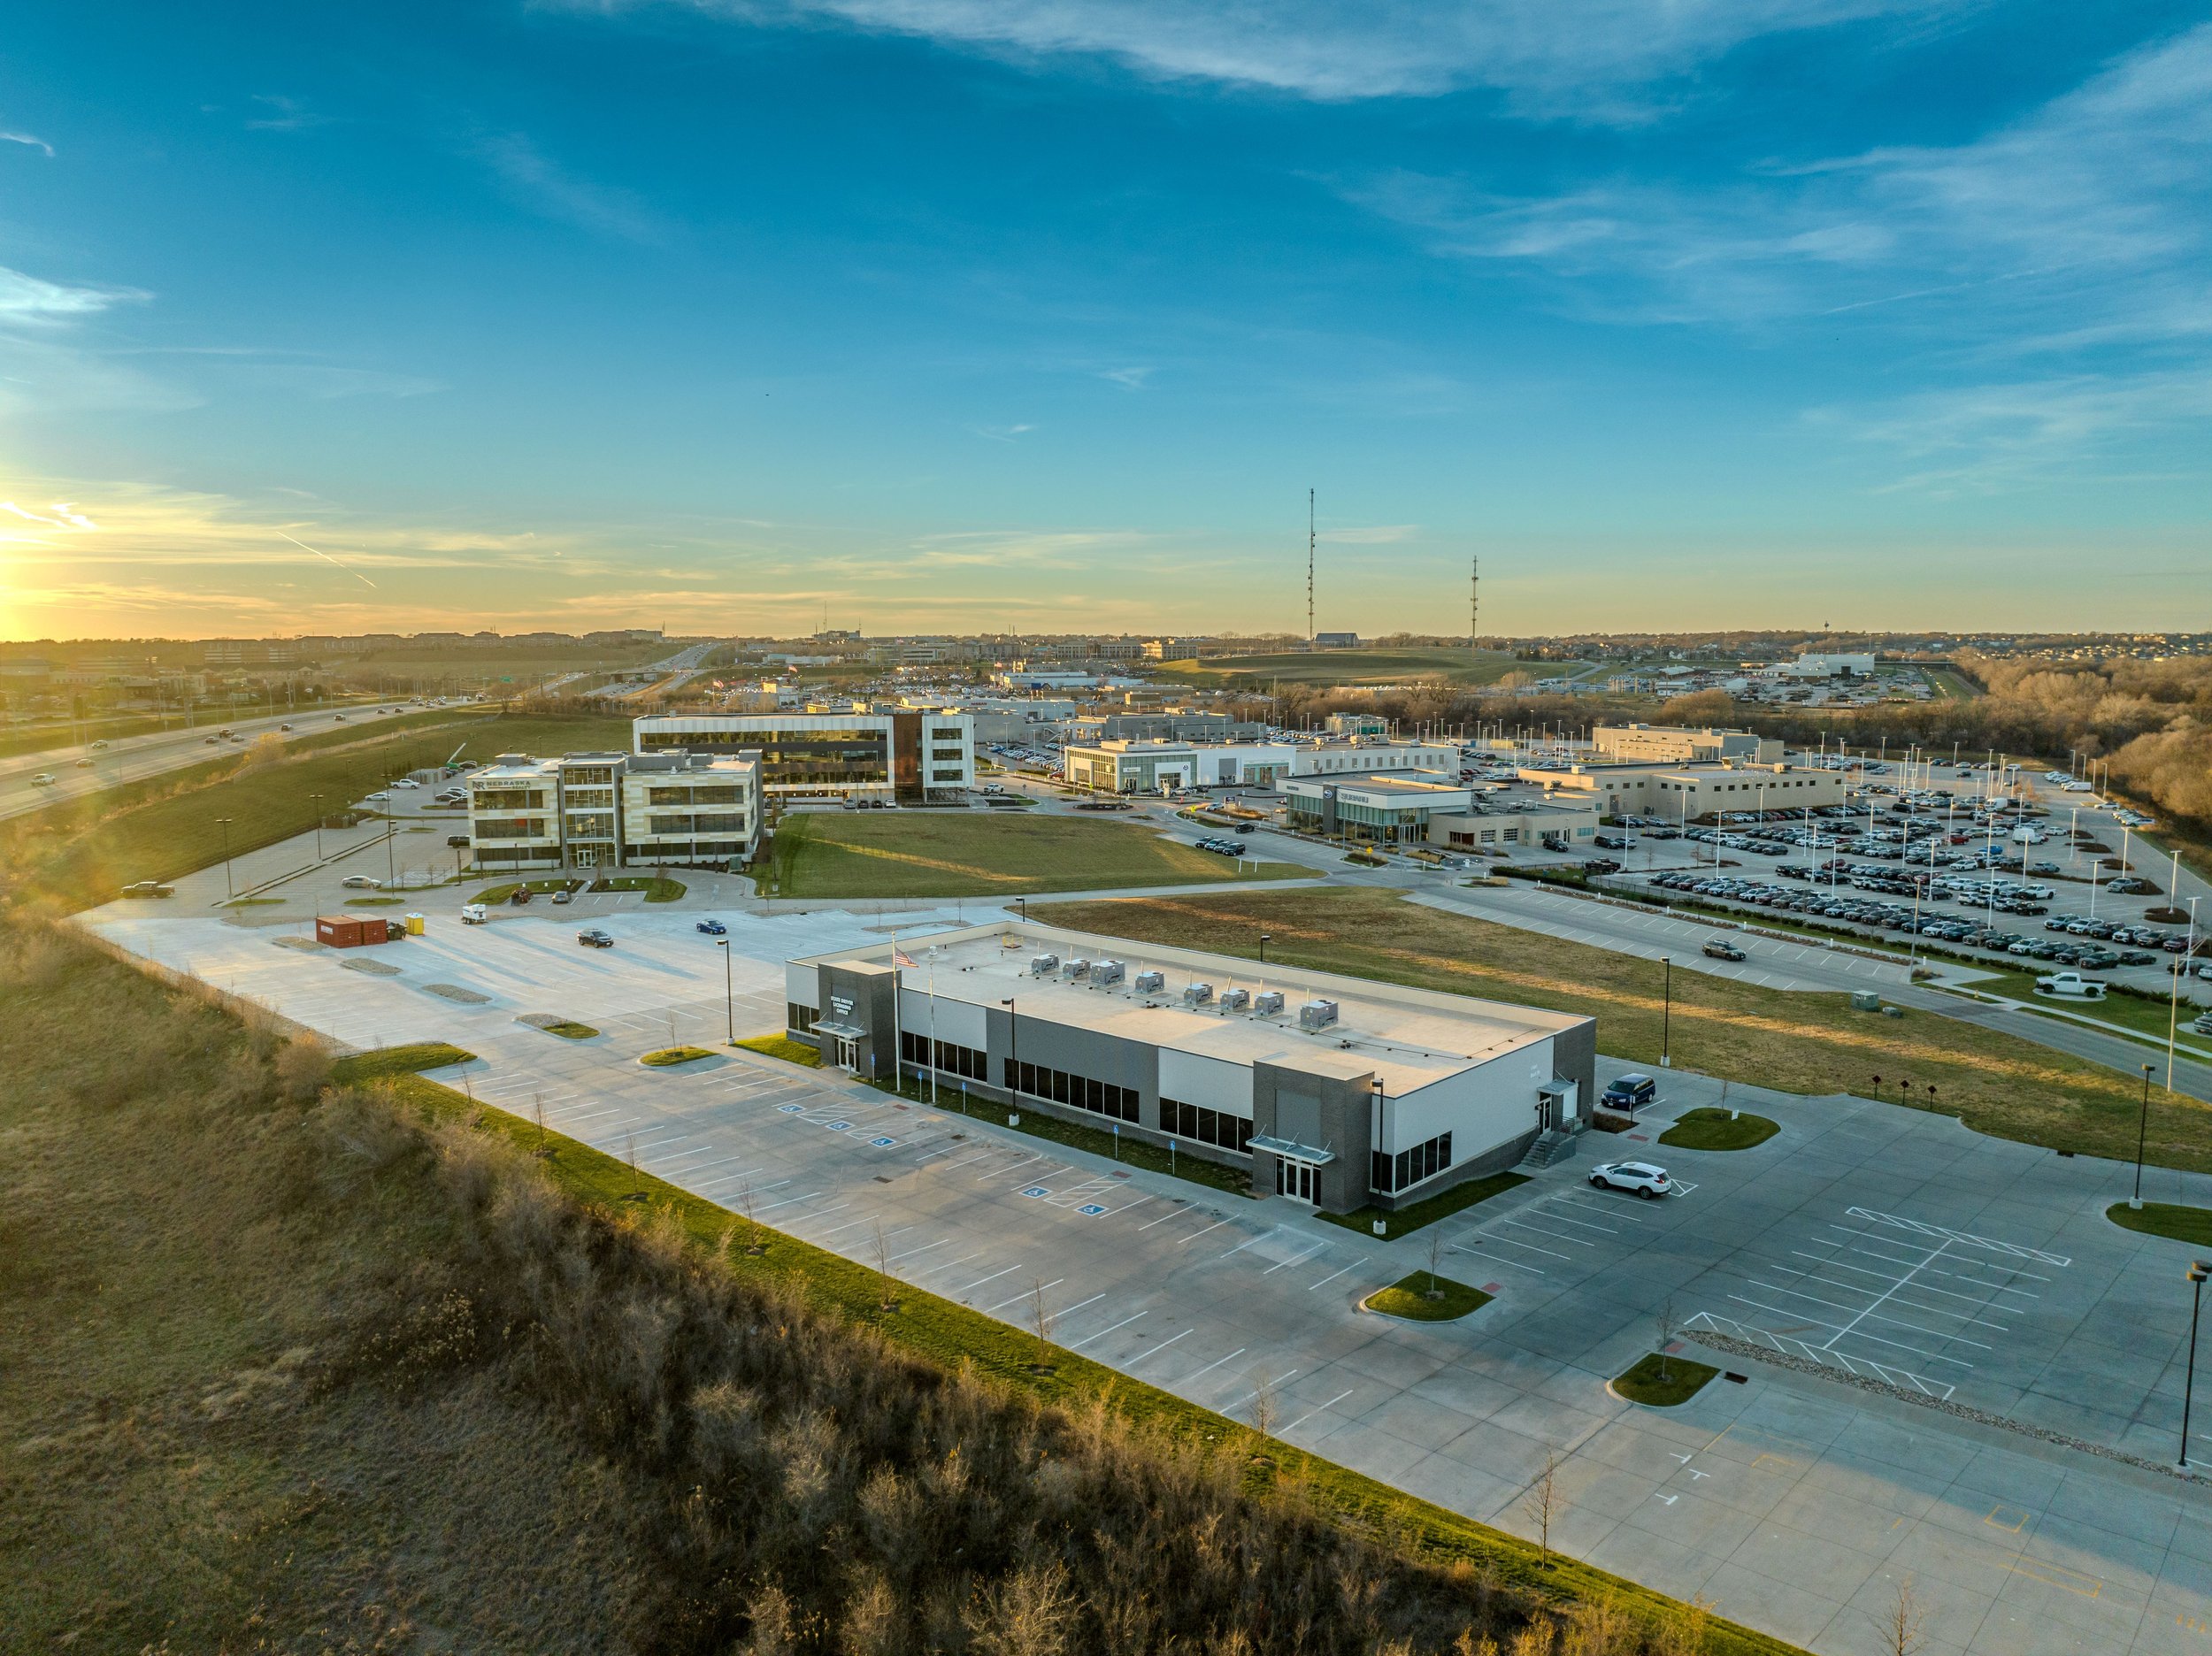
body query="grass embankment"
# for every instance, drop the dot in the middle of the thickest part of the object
(783, 1046)
(505, 889)
(1421, 1297)
(974, 853)
(1659, 1382)
(1718, 1129)
(1360, 666)
(428, 1379)
(668, 1057)
(2170, 1220)
(657, 888)
(1811, 1044)
(2137, 1016)
(80, 852)
(1405, 1221)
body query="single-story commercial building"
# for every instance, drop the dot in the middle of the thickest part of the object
(1391, 809)
(1690, 792)
(1507, 819)
(1679, 744)
(1117, 766)
(1334, 1091)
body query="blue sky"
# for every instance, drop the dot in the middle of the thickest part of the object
(1046, 313)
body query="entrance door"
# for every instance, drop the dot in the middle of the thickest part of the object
(1294, 1179)
(846, 1054)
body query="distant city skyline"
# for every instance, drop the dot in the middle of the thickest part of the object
(1043, 315)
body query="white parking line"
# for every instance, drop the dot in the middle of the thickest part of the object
(1310, 1414)
(809, 1196)
(1103, 1332)
(1332, 1277)
(1037, 1289)
(993, 1277)
(1210, 1367)
(1162, 1346)
(1318, 1247)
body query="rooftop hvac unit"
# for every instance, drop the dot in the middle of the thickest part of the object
(1149, 983)
(1236, 999)
(1106, 972)
(1044, 965)
(1076, 969)
(1270, 1001)
(1317, 1015)
(1197, 994)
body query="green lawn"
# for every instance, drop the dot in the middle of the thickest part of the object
(655, 887)
(783, 1046)
(502, 892)
(1406, 1221)
(568, 1029)
(2144, 1017)
(668, 1057)
(1717, 1129)
(1421, 1297)
(1721, 1027)
(970, 854)
(2170, 1220)
(1683, 1380)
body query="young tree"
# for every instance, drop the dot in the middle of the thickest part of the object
(1041, 1322)
(1543, 1498)
(1665, 1329)
(1904, 1625)
(1264, 1409)
(1436, 1259)
(886, 1299)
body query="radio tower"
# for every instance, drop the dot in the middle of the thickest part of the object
(1310, 633)
(1474, 606)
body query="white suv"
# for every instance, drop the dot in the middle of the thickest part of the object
(1646, 1180)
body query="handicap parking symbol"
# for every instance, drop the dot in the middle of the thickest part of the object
(839, 1126)
(1036, 1190)
(883, 1144)
(789, 1110)
(1092, 1208)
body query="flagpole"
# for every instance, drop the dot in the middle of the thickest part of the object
(932, 1028)
(898, 1055)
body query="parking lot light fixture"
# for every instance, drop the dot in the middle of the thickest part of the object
(1666, 1013)
(729, 993)
(2198, 1271)
(2142, 1126)
(1013, 1052)
(224, 822)
(316, 800)
(1264, 941)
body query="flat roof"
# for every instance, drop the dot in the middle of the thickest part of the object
(1408, 1038)
(1378, 782)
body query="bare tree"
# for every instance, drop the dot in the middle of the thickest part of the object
(1436, 1259)
(630, 1155)
(755, 1241)
(1264, 1409)
(538, 1109)
(1040, 1321)
(886, 1299)
(1905, 1624)
(1685, 1632)
(1543, 1498)
(1664, 1329)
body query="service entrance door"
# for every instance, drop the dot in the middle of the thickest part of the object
(1294, 1179)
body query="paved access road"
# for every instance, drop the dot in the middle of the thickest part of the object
(1865, 1237)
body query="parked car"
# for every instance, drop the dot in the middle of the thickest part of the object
(1647, 1181)
(595, 938)
(453, 842)
(361, 882)
(407, 782)
(148, 888)
(1630, 1092)
(2070, 986)
(712, 928)
(520, 896)
(564, 895)
(1717, 949)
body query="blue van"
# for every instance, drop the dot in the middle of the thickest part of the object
(1630, 1092)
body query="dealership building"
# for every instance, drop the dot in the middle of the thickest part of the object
(1135, 766)
(899, 757)
(1336, 1092)
(1690, 792)
(594, 810)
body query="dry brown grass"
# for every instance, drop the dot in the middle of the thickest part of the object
(1812, 1043)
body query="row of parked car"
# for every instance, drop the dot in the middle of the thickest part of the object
(1226, 848)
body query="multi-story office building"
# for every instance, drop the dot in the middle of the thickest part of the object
(1335, 1091)
(1678, 743)
(899, 757)
(1689, 792)
(615, 810)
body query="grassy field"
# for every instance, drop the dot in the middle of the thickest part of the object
(2144, 1017)
(389, 1371)
(1362, 666)
(968, 854)
(1717, 1129)
(1798, 1043)
(1405, 1221)
(2170, 1220)
(1949, 686)
(657, 888)
(78, 852)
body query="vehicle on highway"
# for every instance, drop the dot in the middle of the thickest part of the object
(595, 938)
(1647, 1181)
(564, 895)
(712, 928)
(98, 745)
(1716, 948)
(1245, 828)
(84, 764)
(284, 727)
(45, 779)
(213, 741)
(361, 882)
(148, 888)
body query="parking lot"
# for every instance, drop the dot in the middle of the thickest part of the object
(1872, 1240)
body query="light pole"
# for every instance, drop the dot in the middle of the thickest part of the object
(2198, 1271)
(1013, 1052)
(1666, 1015)
(1264, 941)
(229, 890)
(316, 800)
(2173, 994)
(2142, 1127)
(729, 993)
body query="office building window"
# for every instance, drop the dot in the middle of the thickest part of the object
(952, 1058)
(1213, 1127)
(1408, 1167)
(799, 1019)
(1102, 1098)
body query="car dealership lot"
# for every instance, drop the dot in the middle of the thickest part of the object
(1857, 1231)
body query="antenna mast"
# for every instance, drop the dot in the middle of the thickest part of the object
(1310, 633)
(1474, 605)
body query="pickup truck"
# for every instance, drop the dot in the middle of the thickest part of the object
(2070, 986)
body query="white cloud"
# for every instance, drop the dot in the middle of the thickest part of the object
(1579, 57)
(32, 300)
(1002, 433)
(26, 138)
(541, 184)
(1128, 379)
